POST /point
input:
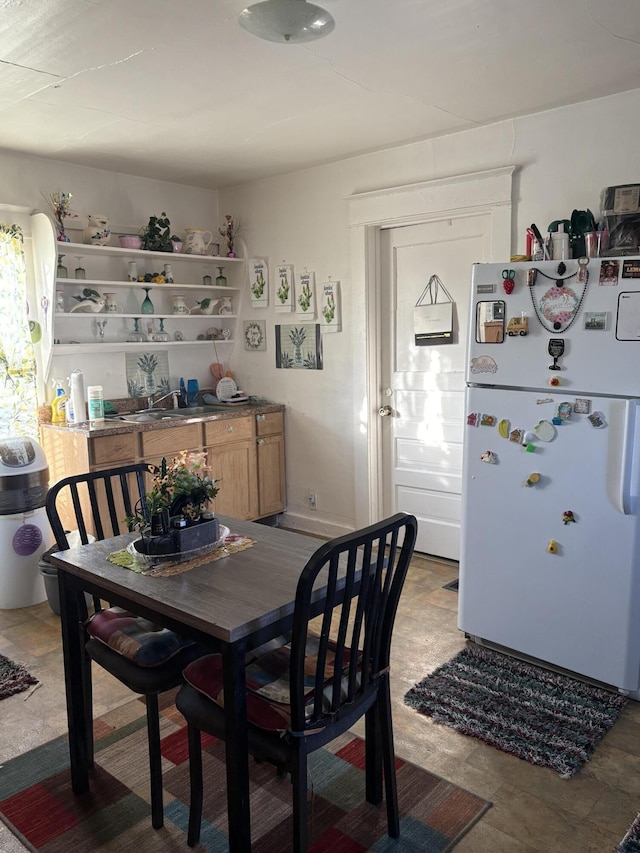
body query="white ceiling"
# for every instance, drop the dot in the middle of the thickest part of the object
(175, 90)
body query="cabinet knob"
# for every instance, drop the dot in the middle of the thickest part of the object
(259, 417)
(260, 441)
(229, 428)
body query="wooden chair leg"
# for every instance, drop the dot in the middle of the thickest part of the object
(373, 755)
(299, 784)
(155, 761)
(195, 782)
(389, 760)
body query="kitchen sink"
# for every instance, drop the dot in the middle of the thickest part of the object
(151, 416)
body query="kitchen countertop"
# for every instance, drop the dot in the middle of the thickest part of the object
(113, 426)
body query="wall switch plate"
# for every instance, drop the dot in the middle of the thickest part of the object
(312, 498)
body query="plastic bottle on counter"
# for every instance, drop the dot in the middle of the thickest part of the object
(95, 404)
(560, 244)
(77, 413)
(59, 404)
(182, 398)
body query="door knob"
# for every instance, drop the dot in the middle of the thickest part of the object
(385, 411)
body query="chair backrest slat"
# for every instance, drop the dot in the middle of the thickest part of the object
(99, 502)
(360, 576)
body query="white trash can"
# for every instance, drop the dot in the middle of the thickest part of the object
(25, 532)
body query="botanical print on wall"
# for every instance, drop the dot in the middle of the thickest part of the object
(259, 283)
(306, 295)
(299, 347)
(147, 373)
(330, 313)
(255, 335)
(284, 289)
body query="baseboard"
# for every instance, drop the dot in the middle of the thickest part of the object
(314, 526)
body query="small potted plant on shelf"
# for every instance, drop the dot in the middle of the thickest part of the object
(174, 516)
(156, 234)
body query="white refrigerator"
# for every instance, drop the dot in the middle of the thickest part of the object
(550, 554)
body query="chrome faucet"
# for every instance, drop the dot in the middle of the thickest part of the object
(151, 402)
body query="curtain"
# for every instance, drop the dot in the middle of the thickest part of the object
(18, 398)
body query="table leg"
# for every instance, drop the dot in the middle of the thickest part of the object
(77, 679)
(236, 740)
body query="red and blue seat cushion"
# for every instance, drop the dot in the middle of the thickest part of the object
(267, 679)
(134, 637)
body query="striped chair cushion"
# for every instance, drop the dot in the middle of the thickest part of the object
(135, 638)
(267, 679)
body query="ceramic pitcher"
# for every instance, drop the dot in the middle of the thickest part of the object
(196, 241)
(179, 305)
(97, 232)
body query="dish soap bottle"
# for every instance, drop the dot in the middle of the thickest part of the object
(59, 404)
(560, 244)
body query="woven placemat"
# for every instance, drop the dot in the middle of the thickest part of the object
(232, 543)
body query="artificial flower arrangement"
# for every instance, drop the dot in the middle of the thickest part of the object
(229, 231)
(180, 492)
(61, 205)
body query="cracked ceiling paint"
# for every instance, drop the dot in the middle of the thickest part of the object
(179, 92)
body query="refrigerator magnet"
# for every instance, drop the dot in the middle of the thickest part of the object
(581, 407)
(568, 516)
(545, 431)
(516, 436)
(596, 419)
(595, 321)
(489, 456)
(488, 420)
(532, 479)
(552, 547)
(473, 419)
(564, 411)
(503, 428)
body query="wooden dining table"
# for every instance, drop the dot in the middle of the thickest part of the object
(233, 605)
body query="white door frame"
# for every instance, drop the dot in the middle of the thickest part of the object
(487, 192)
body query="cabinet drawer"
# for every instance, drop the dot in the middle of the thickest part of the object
(233, 429)
(169, 442)
(270, 423)
(113, 449)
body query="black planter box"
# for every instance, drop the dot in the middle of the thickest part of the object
(196, 536)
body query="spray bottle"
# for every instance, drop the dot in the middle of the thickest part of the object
(59, 403)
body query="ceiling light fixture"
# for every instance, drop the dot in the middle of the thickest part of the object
(286, 21)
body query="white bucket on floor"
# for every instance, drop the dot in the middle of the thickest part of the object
(24, 536)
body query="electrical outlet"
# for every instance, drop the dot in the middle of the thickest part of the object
(313, 500)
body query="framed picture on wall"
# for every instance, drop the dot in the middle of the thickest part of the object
(259, 283)
(299, 347)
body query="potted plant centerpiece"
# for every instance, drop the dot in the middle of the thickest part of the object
(174, 516)
(156, 234)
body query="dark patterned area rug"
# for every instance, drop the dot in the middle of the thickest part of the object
(533, 713)
(37, 804)
(631, 842)
(14, 678)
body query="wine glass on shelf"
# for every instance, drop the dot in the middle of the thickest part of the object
(137, 337)
(101, 324)
(147, 304)
(80, 272)
(221, 279)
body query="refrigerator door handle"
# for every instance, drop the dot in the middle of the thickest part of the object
(630, 453)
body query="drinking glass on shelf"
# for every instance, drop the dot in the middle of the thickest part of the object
(137, 336)
(221, 279)
(61, 271)
(80, 271)
(101, 324)
(161, 334)
(147, 304)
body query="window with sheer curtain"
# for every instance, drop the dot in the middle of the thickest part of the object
(18, 397)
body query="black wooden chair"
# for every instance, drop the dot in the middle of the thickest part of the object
(335, 670)
(147, 659)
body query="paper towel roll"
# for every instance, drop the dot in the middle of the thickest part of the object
(76, 395)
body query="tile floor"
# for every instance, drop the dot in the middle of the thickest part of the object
(533, 808)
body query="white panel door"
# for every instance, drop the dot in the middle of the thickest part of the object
(424, 386)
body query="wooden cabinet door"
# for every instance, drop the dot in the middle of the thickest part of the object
(271, 474)
(234, 464)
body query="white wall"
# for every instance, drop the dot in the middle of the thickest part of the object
(129, 202)
(565, 157)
